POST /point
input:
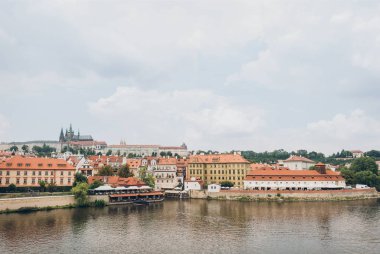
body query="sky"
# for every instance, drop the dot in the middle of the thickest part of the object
(219, 75)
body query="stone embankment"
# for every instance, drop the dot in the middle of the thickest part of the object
(285, 195)
(13, 204)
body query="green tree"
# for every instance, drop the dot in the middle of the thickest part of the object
(11, 188)
(124, 171)
(364, 164)
(95, 184)
(373, 154)
(146, 177)
(109, 152)
(13, 148)
(79, 178)
(226, 184)
(42, 185)
(80, 194)
(162, 154)
(99, 154)
(366, 177)
(348, 175)
(106, 171)
(25, 148)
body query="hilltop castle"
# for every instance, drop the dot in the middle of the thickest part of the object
(71, 136)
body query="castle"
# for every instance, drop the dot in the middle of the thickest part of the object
(70, 136)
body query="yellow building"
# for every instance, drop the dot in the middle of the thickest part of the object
(217, 168)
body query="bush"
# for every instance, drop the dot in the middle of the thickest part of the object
(99, 203)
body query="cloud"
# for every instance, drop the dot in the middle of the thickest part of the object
(198, 116)
(355, 130)
(4, 126)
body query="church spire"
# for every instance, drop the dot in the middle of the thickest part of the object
(61, 136)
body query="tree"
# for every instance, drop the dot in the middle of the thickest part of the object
(226, 184)
(80, 194)
(366, 177)
(25, 148)
(124, 171)
(13, 148)
(364, 164)
(348, 175)
(42, 185)
(99, 154)
(373, 154)
(95, 184)
(106, 171)
(79, 178)
(109, 152)
(162, 154)
(12, 188)
(169, 154)
(146, 177)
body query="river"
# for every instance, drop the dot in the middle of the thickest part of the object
(198, 226)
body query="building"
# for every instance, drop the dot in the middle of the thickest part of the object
(147, 150)
(285, 179)
(71, 136)
(357, 154)
(298, 163)
(216, 168)
(174, 150)
(193, 184)
(213, 188)
(165, 174)
(29, 171)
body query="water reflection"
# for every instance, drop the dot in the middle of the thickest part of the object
(198, 226)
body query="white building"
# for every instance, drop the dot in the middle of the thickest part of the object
(165, 174)
(357, 153)
(298, 163)
(213, 187)
(193, 184)
(284, 179)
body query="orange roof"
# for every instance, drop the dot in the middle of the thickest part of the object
(217, 158)
(167, 161)
(35, 163)
(298, 158)
(116, 180)
(134, 163)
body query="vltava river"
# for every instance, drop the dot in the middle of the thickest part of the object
(198, 226)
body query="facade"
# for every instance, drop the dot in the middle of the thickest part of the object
(179, 150)
(29, 171)
(213, 188)
(193, 184)
(298, 163)
(116, 181)
(217, 168)
(357, 153)
(146, 150)
(285, 179)
(166, 174)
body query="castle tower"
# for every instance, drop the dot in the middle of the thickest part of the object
(61, 136)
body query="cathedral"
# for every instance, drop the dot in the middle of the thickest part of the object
(70, 135)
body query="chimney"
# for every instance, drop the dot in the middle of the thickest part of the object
(321, 168)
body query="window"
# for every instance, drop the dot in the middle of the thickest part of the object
(27, 164)
(69, 173)
(9, 164)
(7, 181)
(19, 164)
(33, 180)
(50, 165)
(46, 173)
(17, 180)
(1, 173)
(18, 173)
(34, 173)
(8, 173)
(52, 173)
(69, 180)
(25, 181)
(39, 173)
(61, 181)
(40, 164)
(25, 173)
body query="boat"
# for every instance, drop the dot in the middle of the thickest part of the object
(136, 198)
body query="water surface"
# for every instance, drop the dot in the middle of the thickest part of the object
(198, 226)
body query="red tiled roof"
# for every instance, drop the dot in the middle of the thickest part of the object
(167, 161)
(116, 180)
(134, 163)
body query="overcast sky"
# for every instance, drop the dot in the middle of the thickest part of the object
(220, 75)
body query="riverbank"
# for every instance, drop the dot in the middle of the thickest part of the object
(287, 195)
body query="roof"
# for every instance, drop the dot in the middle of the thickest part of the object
(134, 163)
(35, 163)
(134, 146)
(356, 151)
(298, 158)
(116, 180)
(217, 158)
(167, 161)
(285, 174)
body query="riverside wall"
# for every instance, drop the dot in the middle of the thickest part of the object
(42, 202)
(248, 195)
